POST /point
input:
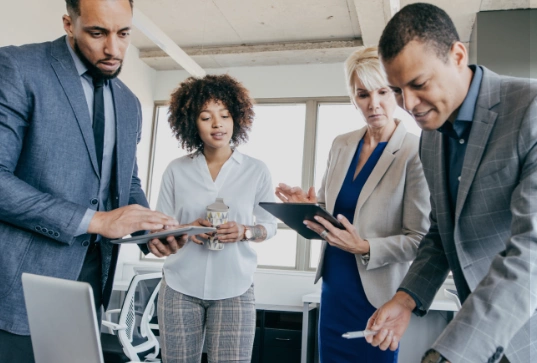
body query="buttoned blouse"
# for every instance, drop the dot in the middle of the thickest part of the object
(186, 191)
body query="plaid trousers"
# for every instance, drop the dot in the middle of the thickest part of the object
(227, 326)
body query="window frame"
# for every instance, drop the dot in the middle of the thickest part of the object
(303, 247)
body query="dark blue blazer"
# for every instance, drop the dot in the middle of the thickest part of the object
(49, 173)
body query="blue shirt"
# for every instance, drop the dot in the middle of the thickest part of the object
(456, 137)
(109, 136)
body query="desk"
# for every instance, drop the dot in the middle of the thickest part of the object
(311, 301)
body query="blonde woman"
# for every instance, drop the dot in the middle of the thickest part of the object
(374, 184)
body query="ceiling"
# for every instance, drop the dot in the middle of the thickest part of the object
(234, 33)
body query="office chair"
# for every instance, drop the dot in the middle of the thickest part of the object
(133, 329)
(453, 296)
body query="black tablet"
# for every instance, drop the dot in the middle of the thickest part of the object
(189, 230)
(294, 214)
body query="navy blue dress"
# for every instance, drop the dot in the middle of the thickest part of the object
(344, 305)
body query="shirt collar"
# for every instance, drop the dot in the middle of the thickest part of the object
(466, 112)
(236, 156)
(80, 67)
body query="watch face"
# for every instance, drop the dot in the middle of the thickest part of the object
(432, 356)
(248, 234)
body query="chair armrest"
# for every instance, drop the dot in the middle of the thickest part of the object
(108, 313)
(113, 326)
(108, 317)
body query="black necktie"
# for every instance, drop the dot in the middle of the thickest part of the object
(98, 118)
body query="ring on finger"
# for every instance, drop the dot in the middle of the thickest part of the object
(323, 234)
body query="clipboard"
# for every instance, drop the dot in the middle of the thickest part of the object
(294, 214)
(190, 230)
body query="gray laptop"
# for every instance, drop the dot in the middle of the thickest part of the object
(62, 318)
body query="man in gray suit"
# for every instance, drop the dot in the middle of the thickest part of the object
(479, 155)
(68, 173)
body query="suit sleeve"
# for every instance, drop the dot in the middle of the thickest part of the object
(506, 298)
(416, 206)
(430, 267)
(21, 204)
(137, 195)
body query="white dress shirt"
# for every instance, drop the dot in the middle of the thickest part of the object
(186, 191)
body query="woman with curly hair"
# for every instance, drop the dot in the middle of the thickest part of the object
(208, 293)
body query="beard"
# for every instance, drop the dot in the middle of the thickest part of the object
(93, 70)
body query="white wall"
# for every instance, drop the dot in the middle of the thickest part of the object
(307, 80)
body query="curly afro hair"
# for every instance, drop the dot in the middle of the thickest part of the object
(188, 100)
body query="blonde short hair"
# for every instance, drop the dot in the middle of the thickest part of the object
(365, 65)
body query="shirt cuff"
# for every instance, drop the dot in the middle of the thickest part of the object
(418, 309)
(84, 224)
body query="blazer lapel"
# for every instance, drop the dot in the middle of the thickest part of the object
(386, 159)
(342, 164)
(482, 125)
(65, 70)
(443, 207)
(122, 127)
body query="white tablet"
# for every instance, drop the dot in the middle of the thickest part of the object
(190, 230)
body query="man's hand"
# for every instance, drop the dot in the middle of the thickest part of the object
(391, 321)
(288, 194)
(122, 221)
(165, 248)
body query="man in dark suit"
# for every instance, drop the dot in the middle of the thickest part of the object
(479, 155)
(68, 173)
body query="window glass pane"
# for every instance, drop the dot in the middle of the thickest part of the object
(166, 149)
(315, 252)
(277, 138)
(279, 251)
(332, 120)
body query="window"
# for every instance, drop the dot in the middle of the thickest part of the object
(293, 138)
(165, 148)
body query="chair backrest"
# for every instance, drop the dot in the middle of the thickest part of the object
(137, 310)
(63, 321)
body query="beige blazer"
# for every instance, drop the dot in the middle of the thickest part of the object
(392, 210)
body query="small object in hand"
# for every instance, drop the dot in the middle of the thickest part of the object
(359, 334)
(217, 214)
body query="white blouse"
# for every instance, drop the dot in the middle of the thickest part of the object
(186, 191)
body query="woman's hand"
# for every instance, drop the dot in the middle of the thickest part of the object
(166, 246)
(230, 232)
(347, 239)
(200, 222)
(288, 194)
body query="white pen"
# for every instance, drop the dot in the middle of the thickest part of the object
(359, 334)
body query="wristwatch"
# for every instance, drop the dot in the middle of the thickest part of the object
(248, 235)
(432, 356)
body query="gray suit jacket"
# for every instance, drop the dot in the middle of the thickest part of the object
(391, 213)
(492, 242)
(48, 170)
